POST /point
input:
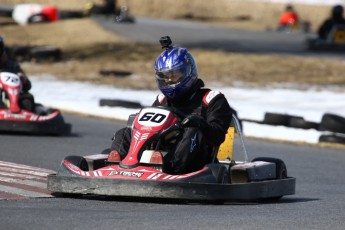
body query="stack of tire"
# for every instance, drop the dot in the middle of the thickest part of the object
(35, 53)
(332, 125)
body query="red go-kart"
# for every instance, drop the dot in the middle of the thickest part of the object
(15, 119)
(141, 173)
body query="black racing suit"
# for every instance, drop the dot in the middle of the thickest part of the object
(194, 146)
(26, 100)
(328, 25)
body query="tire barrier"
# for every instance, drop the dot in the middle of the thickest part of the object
(332, 138)
(278, 119)
(333, 123)
(115, 73)
(120, 103)
(20, 53)
(329, 122)
(43, 53)
(6, 10)
(39, 53)
(68, 14)
(300, 123)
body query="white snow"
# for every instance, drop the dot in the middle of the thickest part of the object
(250, 103)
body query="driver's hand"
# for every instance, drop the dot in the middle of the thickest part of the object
(194, 121)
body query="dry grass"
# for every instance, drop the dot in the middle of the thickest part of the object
(88, 49)
(259, 15)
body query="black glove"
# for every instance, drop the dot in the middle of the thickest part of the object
(194, 121)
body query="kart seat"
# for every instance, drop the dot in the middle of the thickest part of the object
(337, 34)
(225, 150)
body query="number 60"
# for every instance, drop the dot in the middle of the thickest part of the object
(153, 117)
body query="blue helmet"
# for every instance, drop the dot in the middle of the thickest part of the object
(176, 72)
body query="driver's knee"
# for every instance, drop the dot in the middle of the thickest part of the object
(26, 101)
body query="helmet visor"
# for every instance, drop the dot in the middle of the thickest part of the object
(172, 78)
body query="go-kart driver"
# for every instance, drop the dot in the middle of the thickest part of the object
(289, 18)
(7, 64)
(336, 18)
(208, 113)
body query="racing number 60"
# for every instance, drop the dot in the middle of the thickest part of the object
(153, 117)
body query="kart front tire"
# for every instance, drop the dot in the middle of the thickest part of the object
(78, 161)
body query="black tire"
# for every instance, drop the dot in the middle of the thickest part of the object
(299, 122)
(78, 161)
(281, 171)
(38, 18)
(44, 53)
(6, 10)
(332, 139)
(219, 172)
(332, 122)
(20, 53)
(67, 14)
(276, 119)
(115, 73)
(120, 103)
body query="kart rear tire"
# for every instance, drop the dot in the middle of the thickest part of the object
(281, 173)
(332, 122)
(223, 175)
(78, 161)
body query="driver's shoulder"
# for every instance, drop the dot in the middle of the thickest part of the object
(160, 99)
(210, 95)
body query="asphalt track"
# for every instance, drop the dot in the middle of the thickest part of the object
(318, 203)
(205, 36)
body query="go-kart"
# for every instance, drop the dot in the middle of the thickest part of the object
(302, 27)
(141, 173)
(15, 119)
(334, 42)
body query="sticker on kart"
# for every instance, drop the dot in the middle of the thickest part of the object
(152, 117)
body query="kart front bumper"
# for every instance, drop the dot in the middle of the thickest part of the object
(172, 190)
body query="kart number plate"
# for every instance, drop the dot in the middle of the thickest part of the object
(10, 79)
(153, 117)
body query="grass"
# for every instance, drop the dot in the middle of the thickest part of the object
(87, 49)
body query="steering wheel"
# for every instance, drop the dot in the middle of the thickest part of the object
(175, 111)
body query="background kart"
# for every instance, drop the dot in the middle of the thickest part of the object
(141, 173)
(14, 119)
(334, 42)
